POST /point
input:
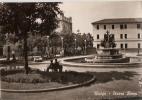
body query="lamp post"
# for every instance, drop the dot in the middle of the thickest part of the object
(62, 42)
(75, 46)
(62, 45)
(48, 46)
(85, 46)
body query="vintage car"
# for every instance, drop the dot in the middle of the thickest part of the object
(38, 59)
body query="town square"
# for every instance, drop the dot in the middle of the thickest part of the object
(71, 50)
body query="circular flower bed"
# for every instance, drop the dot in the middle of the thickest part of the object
(17, 79)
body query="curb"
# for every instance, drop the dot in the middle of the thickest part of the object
(66, 62)
(50, 89)
(134, 65)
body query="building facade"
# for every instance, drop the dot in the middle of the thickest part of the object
(127, 32)
(65, 25)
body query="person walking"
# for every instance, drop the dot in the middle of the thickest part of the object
(51, 66)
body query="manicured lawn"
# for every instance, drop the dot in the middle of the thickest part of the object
(106, 82)
(17, 79)
(103, 77)
(29, 86)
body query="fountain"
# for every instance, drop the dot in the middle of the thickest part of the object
(109, 54)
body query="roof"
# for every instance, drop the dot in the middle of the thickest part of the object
(118, 21)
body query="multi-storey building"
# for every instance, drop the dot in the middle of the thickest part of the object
(65, 25)
(127, 32)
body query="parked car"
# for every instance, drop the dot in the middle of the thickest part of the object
(58, 55)
(38, 59)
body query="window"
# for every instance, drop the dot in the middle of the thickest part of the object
(121, 36)
(125, 26)
(126, 45)
(138, 26)
(121, 46)
(105, 27)
(121, 26)
(139, 36)
(139, 45)
(112, 26)
(98, 45)
(125, 36)
(97, 27)
(98, 36)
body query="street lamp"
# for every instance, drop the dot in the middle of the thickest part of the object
(75, 45)
(62, 42)
(85, 46)
(62, 45)
(48, 46)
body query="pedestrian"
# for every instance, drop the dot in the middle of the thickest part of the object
(58, 66)
(51, 66)
(13, 55)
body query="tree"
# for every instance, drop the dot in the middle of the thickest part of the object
(41, 44)
(69, 43)
(55, 41)
(10, 38)
(22, 19)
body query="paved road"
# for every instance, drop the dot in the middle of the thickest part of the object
(43, 66)
(89, 92)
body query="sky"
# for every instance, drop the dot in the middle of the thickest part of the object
(84, 13)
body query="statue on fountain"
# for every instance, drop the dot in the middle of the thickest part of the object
(109, 54)
(109, 41)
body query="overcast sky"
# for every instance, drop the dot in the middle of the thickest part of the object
(84, 13)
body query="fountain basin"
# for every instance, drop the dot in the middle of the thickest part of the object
(109, 55)
(78, 62)
(119, 60)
